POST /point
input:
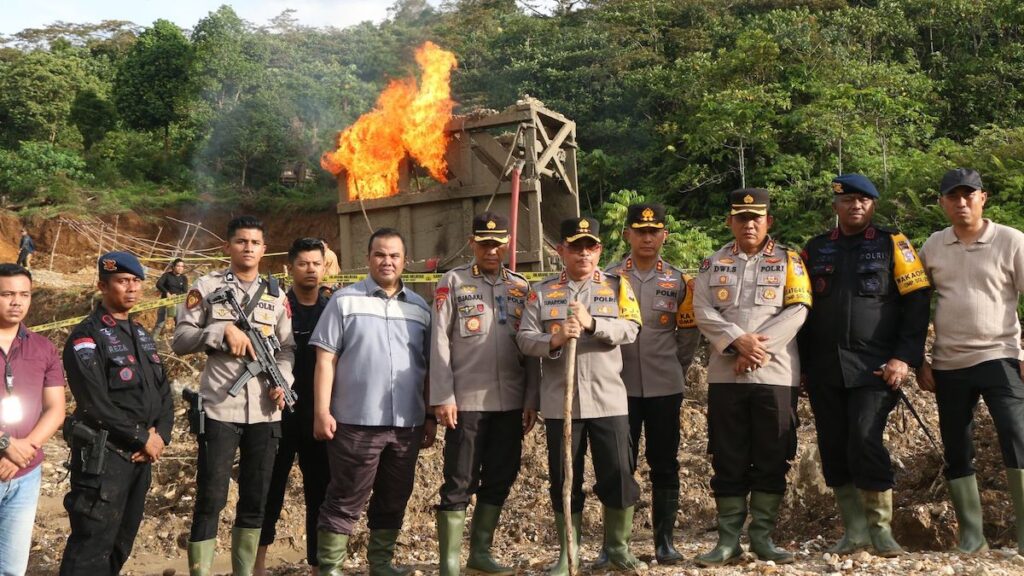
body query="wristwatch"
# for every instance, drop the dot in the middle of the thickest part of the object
(5, 441)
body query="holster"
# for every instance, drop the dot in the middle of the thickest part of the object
(196, 412)
(91, 444)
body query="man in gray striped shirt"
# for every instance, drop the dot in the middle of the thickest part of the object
(977, 269)
(369, 392)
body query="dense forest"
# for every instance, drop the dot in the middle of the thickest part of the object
(675, 100)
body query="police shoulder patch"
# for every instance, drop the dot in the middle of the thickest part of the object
(193, 299)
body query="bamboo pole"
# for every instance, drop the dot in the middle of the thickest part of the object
(56, 239)
(153, 246)
(570, 384)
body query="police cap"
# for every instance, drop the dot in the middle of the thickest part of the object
(573, 229)
(114, 262)
(646, 216)
(749, 200)
(490, 227)
(854, 184)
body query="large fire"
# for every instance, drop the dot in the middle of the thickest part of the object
(408, 119)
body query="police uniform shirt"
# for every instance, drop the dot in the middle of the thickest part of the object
(117, 379)
(767, 293)
(871, 299)
(599, 386)
(474, 361)
(655, 365)
(200, 328)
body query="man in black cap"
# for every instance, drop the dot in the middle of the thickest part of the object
(867, 328)
(482, 391)
(122, 422)
(750, 299)
(599, 309)
(977, 267)
(654, 367)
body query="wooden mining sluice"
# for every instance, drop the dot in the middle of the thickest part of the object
(436, 218)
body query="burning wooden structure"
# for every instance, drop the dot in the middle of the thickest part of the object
(484, 153)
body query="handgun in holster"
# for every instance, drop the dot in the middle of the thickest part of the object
(196, 412)
(92, 455)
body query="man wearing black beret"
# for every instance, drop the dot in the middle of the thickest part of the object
(867, 328)
(121, 394)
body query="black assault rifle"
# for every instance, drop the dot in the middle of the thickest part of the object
(265, 346)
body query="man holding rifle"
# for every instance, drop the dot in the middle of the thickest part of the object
(242, 396)
(600, 311)
(121, 424)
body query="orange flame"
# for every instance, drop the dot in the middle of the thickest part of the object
(406, 120)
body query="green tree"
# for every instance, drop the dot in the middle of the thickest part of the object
(93, 115)
(152, 87)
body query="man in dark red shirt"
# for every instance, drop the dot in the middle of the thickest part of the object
(31, 410)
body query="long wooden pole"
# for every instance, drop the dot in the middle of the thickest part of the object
(570, 384)
(56, 239)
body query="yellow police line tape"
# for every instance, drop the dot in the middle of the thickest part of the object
(196, 258)
(412, 278)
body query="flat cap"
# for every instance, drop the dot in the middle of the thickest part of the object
(854, 184)
(573, 229)
(114, 262)
(749, 200)
(646, 216)
(960, 178)
(490, 227)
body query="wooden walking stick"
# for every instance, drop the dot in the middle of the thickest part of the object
(570, 383)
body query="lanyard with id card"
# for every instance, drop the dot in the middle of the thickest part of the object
(10, 406)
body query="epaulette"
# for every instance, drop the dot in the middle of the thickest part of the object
(273, 286)
(518, 276)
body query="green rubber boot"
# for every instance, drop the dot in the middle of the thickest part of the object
(481, 536)
(450, 524)
(380, 551)
(764, 511)
(732, 511)
(244, 542)
(1015, 478)
(855, 524)
(878, 511)
(200, 557)
(664, 506)
(331, 551)
(967, 503)
(618, 528)
(561, 568)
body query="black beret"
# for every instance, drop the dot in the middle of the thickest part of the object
(114, 262)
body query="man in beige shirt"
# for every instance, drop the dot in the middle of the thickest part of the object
(600, 310)
(750, 299)
(480, 392)
(654, 367)
(977, 269)
(248, 423)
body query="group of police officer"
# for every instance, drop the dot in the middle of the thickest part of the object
(844, 320)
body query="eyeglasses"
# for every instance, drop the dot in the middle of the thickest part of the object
(575, 248)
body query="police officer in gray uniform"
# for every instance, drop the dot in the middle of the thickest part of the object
(480, 392)
(750, 299)
(600, 310)
(654, 367)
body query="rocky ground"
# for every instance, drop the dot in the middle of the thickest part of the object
(924, 519)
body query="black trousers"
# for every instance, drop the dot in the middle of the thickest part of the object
(105, 511)
(957, 393)
(660, 418)
(297, 440)
(481, 456)
(850, 423)
(257, 446)
(612, 455)
(751, 437)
